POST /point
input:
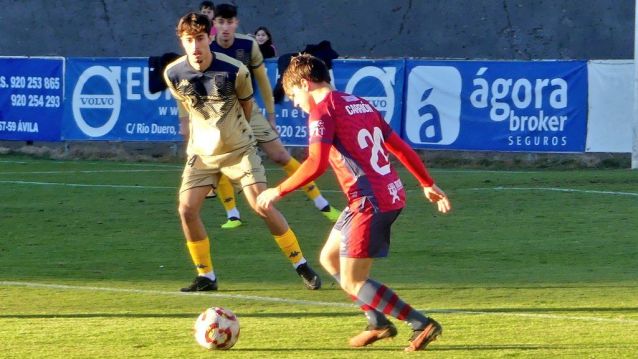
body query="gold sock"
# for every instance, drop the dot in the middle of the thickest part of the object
(311, 189)
(226, 193)
(289, 246)
(200, 254)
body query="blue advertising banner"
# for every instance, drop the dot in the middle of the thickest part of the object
(108, 99)
(496, 106)
(31, 97)
(378, 81)
(292, 123)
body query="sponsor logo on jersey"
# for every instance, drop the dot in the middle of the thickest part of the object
(316, 128)
(394, 188)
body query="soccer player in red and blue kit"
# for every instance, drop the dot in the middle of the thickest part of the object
(346, 132)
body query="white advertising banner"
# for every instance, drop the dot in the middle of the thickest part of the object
(611, 95)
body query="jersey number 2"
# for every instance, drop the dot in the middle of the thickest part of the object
(376, 140)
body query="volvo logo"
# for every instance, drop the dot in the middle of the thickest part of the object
(103, 109)
(386, 76)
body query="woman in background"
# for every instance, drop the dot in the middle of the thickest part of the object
(264, 39)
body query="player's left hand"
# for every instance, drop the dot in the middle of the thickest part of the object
(268, 197)
(436, 195)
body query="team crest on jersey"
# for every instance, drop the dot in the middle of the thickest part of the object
(316, 128)
(240, 55)
(220, 78)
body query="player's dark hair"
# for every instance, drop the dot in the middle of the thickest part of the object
(207, 5)
(225, 11)
(192, 24)
(305, 67)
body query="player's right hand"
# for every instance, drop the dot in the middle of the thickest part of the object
(268, 197)
(436, 195)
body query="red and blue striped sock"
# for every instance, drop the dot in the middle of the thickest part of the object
(384, 300)
(375, 318)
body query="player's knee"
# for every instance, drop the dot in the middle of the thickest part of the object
(263, 214)
(187, 213)
(324, 260)
(328, 262)
(349, 287)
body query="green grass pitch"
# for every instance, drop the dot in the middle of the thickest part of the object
(529, 264)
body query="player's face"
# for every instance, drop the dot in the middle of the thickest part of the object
(300, 98)
(196, 47)
(210, 13)
(226, 28)
(261, 37)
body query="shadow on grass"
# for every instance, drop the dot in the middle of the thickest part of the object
(515, 347)
(435, 347)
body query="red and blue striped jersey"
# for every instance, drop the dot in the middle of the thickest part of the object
(357, 133)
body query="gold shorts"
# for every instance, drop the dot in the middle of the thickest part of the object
(262, 129)
(243, 169)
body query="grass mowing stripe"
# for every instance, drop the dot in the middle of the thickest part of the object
(85, 171)
(86, 185)
(537, 316)
(308, 302)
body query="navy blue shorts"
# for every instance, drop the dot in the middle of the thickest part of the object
(365, 233)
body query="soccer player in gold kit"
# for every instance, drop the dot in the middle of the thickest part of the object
(245, 49)
(217, 93)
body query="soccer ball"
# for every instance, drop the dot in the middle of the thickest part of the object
(217, 328)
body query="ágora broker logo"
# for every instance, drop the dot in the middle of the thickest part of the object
(433, 105)
(533, 108)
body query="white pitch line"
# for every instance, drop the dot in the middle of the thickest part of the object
(305, 302)
(181, 166)
(15, 162)
(176, 293)
(553, 189)
(633, 194)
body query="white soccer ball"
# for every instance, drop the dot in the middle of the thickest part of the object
(217, 328)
